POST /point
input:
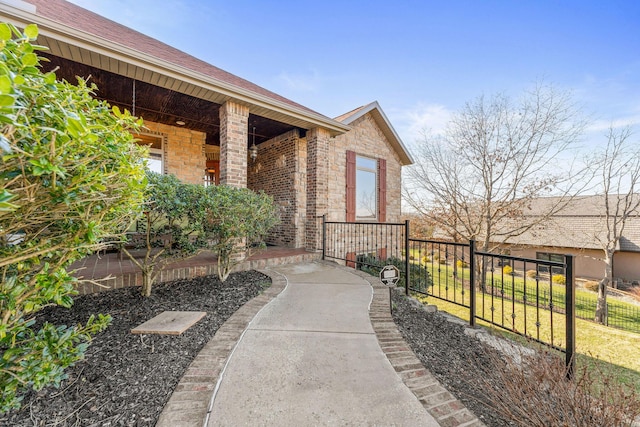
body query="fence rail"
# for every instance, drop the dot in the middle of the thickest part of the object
(509, 292)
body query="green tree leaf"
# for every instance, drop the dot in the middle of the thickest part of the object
(5, 32)
(71, 177)
(31, 31)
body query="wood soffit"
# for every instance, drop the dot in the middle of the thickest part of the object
(159, 104)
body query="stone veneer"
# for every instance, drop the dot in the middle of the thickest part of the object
(305, 176)
(280, 171)
(367, 140)
(183, 151)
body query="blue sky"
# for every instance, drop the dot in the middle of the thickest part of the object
(421, 60)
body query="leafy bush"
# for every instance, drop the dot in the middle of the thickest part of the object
(462, 264)
(558, 279)
(70, 177)
(172, 226)
(426, 259)
(507, 269)
(237, 221)
(419, 278)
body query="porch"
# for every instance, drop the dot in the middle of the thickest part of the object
(105, 271)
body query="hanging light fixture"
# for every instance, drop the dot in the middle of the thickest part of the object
(253, 150)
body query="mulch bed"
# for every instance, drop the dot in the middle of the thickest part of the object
(126, 379)
(454, 358)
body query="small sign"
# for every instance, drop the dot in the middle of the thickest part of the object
(389, 275)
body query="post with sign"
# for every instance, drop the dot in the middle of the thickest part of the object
(389, 275)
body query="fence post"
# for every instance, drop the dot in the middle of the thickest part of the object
(406, 257)
(324, 235)
(570, 315)
(472, 283)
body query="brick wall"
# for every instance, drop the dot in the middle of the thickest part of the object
(318, 141)
(234, 122)
(183, 151)
(366, 139)
(280, 171)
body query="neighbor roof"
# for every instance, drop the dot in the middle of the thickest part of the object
(83, 36)
(581, 224)
(383, 123)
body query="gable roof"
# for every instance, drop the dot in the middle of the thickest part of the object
(75, 33)
(384, 124)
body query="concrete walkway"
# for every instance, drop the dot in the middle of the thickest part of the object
(318, 348)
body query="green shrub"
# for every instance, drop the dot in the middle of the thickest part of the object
(558, 279)
(462, 264)
(419, 278)
(172, 226)
(71, 177)
(237, 221)
(507, 269)
(426, 259)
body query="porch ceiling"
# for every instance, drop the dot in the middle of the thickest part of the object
(159, 104)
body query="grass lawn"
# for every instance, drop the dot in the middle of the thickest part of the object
(609, 350)
(448, 280)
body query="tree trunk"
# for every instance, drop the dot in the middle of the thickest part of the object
(147, 283)
(601, 307)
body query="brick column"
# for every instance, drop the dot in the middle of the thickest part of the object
(317, 185)
(234, 125)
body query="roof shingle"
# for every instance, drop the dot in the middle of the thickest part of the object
(84, 20)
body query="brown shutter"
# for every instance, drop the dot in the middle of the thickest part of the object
(351, 186)
(382, 190)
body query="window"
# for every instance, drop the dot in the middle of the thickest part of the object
(366, 189)
(155, 160)
(366, 186)
(550, 257)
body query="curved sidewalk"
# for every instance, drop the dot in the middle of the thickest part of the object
(318, 348)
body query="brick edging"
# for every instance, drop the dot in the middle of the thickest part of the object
(168, 274)
(437, 400)
(189, 402)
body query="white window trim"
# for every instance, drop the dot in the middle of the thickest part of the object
(158, 152)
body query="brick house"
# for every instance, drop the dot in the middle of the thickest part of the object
(203, 123)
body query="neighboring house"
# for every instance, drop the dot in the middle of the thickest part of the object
(203, 123)
(580, 229)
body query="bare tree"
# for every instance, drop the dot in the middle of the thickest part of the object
(477, 180)
(619, 168)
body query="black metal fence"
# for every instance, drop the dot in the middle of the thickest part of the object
(620, 316)
(526, 296)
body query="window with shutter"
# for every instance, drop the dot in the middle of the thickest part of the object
(366, 188)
